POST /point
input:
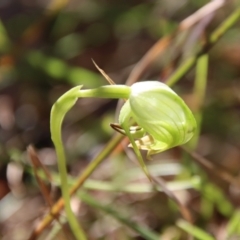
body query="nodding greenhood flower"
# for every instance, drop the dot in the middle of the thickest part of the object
(164, 120)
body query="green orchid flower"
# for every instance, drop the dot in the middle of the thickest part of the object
(164, 120)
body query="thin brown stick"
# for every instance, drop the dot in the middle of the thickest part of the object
(218, 170)
(45, 190)
(36, 165)
(183, 209)
(110, 81)
(207, 9)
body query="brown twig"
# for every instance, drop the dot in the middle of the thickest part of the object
(183, 209)
(218, 170)
(37, 164)
(110, 81)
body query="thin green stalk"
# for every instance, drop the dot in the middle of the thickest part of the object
(143, 231)
(109, 91)
(201, 79)
(199, 94)
(214, 37)
(137, 151)
(60, 108)
(226, 25)
(181, 70)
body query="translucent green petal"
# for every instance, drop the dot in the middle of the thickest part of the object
(162, 114)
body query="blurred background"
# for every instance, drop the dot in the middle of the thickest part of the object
(46, 48)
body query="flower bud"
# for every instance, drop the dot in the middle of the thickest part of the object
(161, 113)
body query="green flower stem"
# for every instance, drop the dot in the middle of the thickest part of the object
(214, 37)
(137, 152)
(109, 91)
(59, 110)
